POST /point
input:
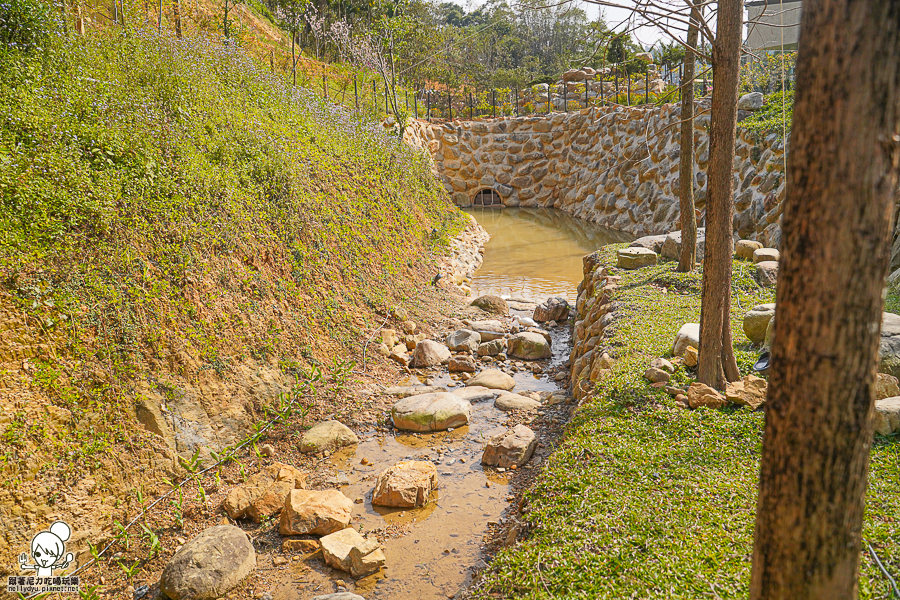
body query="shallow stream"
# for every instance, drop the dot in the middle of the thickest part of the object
(532, 254)
(535, 253)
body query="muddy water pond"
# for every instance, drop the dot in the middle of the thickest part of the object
(534, 253)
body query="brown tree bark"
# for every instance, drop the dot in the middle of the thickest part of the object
(176, 14)
(717, 364)
(688, 257)
(842, 173)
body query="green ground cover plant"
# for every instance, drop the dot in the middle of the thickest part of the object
(172, 211)
(647, 500)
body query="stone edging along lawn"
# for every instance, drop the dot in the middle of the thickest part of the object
(644, 499)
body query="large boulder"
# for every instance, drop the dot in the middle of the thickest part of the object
(671, 248)
(766, 254)
(492, 304)
(476, 393)
(347, 550)
(528, 346)
(751, 101)
(318, 512)
(650, 242)
(463, 340)
(462, 364)
(429, 353)
(886, 386)
(492, 348)
(512, 448)
(767, 273)
(700, 394)
(209, 565)
(494, 379)
(749, 391)
(744, 249)
(327, 436)
(490, 329)
(431, 412)
(635, 258)
(887, 415)
(890, 344)
(264, 493)
(508, 402)
(756, 320)
(688, 335)
(407, 484)
(552, 309)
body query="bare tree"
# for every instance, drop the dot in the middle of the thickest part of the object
(176, 16)
(688, 255)
(717, 363)
(842, 174)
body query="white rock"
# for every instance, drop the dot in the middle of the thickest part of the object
(688, 335)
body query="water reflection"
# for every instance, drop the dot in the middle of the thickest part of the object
(536, 252)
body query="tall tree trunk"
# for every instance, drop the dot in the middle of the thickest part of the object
(176, 15)
(717, 363)
(688, 256)
(79, 18)
(842, 175)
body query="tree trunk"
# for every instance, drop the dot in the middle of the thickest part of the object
(717, 363)
(688, 255)
(176, 16)
(842, 175)
(79, 19)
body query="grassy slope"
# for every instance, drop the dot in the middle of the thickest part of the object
(171, 213)
(645, 500)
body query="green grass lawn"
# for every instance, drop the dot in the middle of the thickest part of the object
(646, 500)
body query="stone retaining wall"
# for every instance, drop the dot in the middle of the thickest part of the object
(593, 312)
(616, 166)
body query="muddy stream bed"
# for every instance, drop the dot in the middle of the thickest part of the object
(533, 254)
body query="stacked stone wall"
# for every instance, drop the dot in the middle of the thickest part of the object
(593, 313)
(616, 166)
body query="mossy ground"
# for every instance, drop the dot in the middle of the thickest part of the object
(647, 500)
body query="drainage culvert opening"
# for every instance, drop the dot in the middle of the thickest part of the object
(487, 197)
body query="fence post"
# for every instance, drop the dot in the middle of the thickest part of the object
(449, 103)
(494, 103)
(416, 103)
(587, 86)
(517, 100)
(628, 87)
(386, 111)
(324, 85)
(428, 101)
(565, 96)
(355, 93)
(375, 97)
(549, 97)
(470, 106)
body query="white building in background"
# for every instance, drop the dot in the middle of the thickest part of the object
(772, 25)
